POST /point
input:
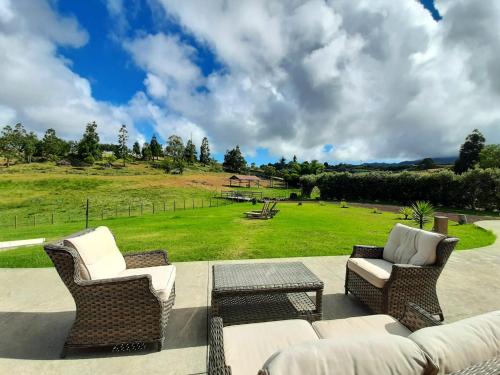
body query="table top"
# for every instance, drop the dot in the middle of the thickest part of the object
(263, 276)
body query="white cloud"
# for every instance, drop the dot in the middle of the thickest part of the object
(375, 79)
(38, 86)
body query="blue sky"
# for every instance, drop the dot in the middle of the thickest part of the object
(109, 68)
(337, 81)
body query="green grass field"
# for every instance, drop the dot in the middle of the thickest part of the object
(223, 233)
(43, 190)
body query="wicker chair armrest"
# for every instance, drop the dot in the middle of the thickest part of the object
(119, 289)
(415, 318)
(363, 251)
(217, 362)
(146, 259)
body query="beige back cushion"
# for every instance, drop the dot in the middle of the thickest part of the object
(456, 346)
(407, 245)
(99, 253)
(371, 355)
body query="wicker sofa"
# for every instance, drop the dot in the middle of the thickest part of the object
(369, 345)
(405, 270)
(122, 302)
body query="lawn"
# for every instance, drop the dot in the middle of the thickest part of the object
(38, 193)
(310, 229)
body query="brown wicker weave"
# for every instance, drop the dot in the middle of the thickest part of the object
(124, 313)
(407, 283)
(413, 318)
(256, 292)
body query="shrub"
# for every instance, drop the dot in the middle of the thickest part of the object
(476, 188)
(294, 196)
(343, 204)
(406, 212)
(422, 212)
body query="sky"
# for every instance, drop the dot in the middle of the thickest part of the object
(337, 81)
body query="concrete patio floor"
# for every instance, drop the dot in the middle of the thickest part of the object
(36, 312)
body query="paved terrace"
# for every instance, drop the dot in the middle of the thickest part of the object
(36, 312)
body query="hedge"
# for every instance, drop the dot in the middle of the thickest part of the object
(478, 188)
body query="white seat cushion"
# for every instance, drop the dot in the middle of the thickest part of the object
(360, 325)
(162, 278)
(375, 271)
(374, 355)
(407, 245)
(99, 253)
(456, 346)
(248, 346)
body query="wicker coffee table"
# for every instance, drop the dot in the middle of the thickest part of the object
(256, 292)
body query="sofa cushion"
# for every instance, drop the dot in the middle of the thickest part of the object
(375, 271)
(374, 355)
(456, 346)
(360, 325)
(99, 253)
(248, 346)
(162, 278)
(414, 246)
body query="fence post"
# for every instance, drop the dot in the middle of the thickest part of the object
(102, 214)
(193, 204)
(142, 207)
(174, 205)
(153, 208)
(52, 219)
(210, 202)
(184, 204)
(87, 215)
(34, 220)
(164, 206)
(15, 222)
(201, 202)
(129, 210)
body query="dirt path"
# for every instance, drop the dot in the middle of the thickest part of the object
(451, 215)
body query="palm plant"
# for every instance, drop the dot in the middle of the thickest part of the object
(422, 212)
(406, 212)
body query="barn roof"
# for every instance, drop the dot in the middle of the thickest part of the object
(243, 177)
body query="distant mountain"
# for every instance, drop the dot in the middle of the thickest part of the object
(447, 160)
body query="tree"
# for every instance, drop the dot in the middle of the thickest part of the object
(155, 147)
(146, 152)
(190, 152)
(122, 143)
(422, 212)
(490, 157)
(11, 142)
(204, 152)
(53, 147)
(175, 151)
(234, 160)
(427, 163)
(294, 159)
(136, 149)
(269, 170)
(88, 147)
(469, 152)
(29, 146)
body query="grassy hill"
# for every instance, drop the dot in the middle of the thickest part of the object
(35, 192)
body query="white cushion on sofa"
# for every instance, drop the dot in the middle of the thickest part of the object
(456, 346)
(374, 355)
(162, 278)
(375, 271)
(99, 253)
(407, 245)
(360, 325)
(248, 346)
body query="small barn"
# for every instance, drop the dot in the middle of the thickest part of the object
(244, 180)
(277, 182)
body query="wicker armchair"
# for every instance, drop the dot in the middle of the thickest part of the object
(122, 313)
(407, 283)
